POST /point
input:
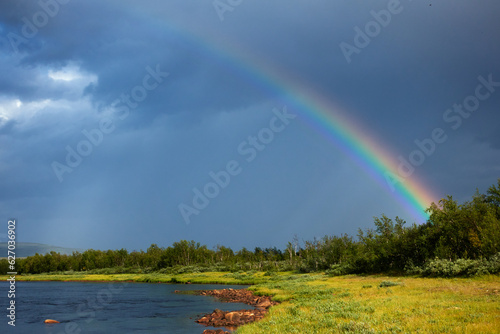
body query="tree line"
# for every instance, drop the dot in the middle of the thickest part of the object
(468, 231)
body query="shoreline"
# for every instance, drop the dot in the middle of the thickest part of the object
(219, 278)
(231, 320)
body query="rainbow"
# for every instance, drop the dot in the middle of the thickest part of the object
(318, 112)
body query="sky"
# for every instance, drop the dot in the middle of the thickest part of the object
(127, 123)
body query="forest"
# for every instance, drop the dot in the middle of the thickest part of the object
(456, 240)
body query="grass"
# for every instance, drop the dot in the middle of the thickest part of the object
(373, 304)
(243, 278)
(315, 303)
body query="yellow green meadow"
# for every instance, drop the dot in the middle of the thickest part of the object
(378, 304)
(350, 304)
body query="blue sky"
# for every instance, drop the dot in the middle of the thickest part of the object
(113, 113)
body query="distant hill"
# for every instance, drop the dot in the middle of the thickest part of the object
(24, 249)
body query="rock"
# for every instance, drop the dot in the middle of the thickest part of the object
(50, 321)
(264, 304)
(233, 317)
(231, 320)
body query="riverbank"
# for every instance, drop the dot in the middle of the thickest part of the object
(233, 319)
(194, 278)
(367, 304)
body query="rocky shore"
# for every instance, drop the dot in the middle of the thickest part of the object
(232, 319)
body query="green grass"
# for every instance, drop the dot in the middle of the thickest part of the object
(373, 304)
(244, 278)
(316, 303)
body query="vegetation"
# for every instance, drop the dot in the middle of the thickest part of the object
(245, 278)
(457, 240)
(378, 304)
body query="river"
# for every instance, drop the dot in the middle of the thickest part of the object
(87, 307)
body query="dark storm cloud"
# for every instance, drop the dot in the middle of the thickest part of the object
(118, 44)
(400, 85)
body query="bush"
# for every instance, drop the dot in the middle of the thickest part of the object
(338, 270)
(447, 268)
(285, 266)
(493, 265)
(457, 268)
(412, 269)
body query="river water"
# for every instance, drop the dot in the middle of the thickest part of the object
(84, 307)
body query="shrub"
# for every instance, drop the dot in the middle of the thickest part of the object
(338, 270)
(493, 265)
(459, 267)
(412, 269)
(385, 284)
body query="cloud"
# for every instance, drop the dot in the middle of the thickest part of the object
(66, 78)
